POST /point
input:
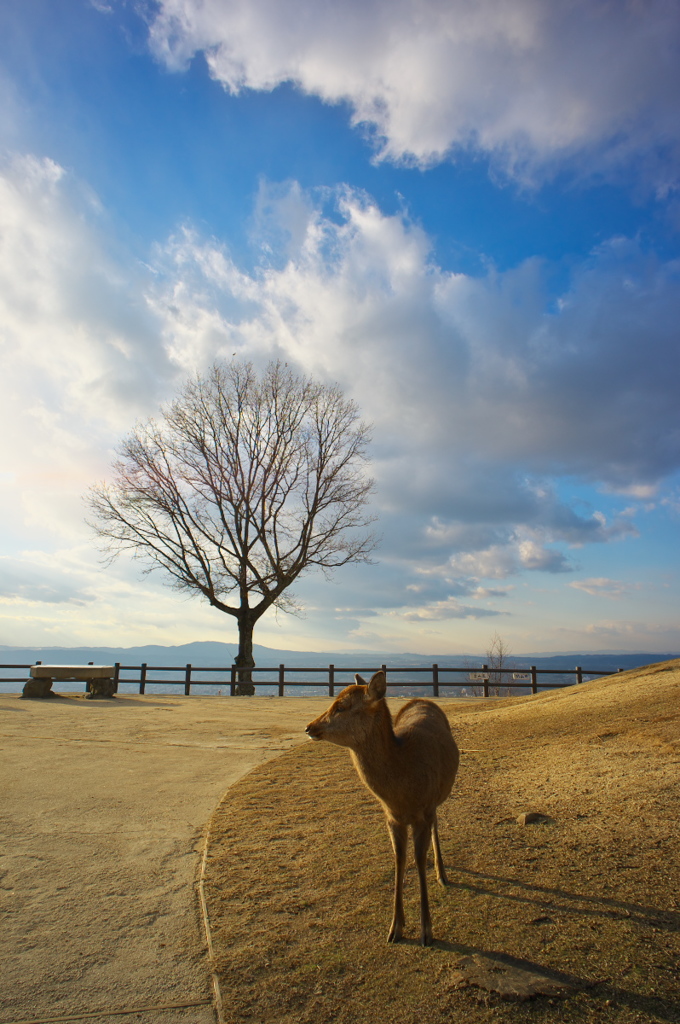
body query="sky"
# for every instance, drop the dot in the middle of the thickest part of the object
(466, 213)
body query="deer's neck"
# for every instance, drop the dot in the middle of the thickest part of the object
(375, 756)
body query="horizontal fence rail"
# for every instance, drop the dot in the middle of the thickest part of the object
(483, 677)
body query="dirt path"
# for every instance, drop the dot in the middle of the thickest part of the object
(102, 816)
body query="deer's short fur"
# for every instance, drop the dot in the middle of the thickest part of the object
(409, 765)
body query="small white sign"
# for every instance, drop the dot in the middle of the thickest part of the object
(478, 676)
(521, 675)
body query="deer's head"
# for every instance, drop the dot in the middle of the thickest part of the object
(352, 714)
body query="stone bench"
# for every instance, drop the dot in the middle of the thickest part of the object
(99, 677)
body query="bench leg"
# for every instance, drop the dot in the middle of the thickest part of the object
(101, 688)
(37, 688)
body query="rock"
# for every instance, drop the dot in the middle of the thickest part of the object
(102, 688)
(38, 688)
(510, 981)
(531, 818)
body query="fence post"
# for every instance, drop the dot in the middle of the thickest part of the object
(142, 678)
(282, 679)
(87, 681)
(435, 680)
(384, 669)
(579, 674)
(534, 680)
(485, 670)
(116, 676)
(232, 681)
(331, 680)
(187, 681)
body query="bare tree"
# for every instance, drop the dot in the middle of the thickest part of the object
(497, 658)
(244, 484)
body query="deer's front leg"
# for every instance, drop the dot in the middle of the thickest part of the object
(421, 843)
(399, 837)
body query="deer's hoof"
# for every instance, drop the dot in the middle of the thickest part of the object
(425, 940)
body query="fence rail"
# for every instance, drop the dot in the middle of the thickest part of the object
(488, 676)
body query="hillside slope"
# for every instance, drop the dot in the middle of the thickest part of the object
(609, 748)
(300, 871)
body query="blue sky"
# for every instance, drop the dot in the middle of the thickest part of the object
(466, 214)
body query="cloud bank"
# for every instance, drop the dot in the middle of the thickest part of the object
(81, 354)
(485, 392)
(584, 83)
(473, 371)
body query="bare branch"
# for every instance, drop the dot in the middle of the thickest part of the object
(498, 656)
(244, 484)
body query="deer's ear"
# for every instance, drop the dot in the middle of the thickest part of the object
(377, 686)
(358, 680)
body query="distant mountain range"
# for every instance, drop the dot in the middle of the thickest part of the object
(214, 653)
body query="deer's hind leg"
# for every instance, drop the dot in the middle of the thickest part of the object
(421, 844)
(439, 868)
(399, 837)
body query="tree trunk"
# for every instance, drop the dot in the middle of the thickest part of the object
(244, 660)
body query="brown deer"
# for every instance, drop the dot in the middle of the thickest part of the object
(409, 765)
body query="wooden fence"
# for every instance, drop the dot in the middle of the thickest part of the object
(483, 677)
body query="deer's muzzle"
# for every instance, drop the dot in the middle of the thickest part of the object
(315, 730)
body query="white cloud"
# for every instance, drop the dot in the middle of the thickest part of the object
(600, 586)
(34, 578)
(450, 608)
(500, 561)
(531, 83)
(81, 355)
(478, 373)
(615, 629)
(639, 491)
(672, 502)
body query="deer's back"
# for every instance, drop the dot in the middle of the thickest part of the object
(425, 765)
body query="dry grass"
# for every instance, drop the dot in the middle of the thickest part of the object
(300, 870)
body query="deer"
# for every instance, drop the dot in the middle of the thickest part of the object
(409, 765)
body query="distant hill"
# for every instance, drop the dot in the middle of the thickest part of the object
(214, 653)
(219, 656)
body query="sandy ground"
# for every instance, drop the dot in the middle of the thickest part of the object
(102, 816)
